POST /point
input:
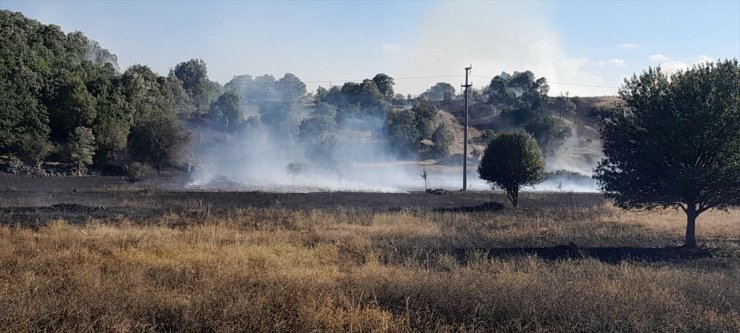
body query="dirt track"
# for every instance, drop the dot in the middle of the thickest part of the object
(37, 200)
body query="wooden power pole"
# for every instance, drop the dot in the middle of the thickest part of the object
(465, 136)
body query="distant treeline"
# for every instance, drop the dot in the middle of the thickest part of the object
(63, 98)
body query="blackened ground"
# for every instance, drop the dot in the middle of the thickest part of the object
(37, 200)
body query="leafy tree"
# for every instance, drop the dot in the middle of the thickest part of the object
(443, 139)
(366, 97)
(510, 161)
(403, 134)
(81, 148)
(521, 94)
(677, 143)
(320, 95)
(194, 77)
(24, 129)
(441, 91)
(290, 88)
(385, 85)
(426, 118)
(314, 129)
(549, 132)
(226, 111)
(565, 105)
(70, 105)
(159, 140)
(407, 128)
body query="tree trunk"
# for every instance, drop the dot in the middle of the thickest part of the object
(513, 195)
(691, 214)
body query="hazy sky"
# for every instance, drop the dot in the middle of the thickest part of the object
(586, 48)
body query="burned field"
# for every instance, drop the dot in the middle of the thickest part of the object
(100, 254)
(38, 200)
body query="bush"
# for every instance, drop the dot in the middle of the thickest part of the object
(510, 161)
(136, 171)
(159, 140)
(81, 149)
(549, 132)
(443, 139)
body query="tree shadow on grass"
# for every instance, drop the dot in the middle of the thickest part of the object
(604, 254)
(485, 207)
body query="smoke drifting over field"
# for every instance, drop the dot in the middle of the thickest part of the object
(259, 159)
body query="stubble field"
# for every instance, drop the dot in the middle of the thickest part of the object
(448, 263)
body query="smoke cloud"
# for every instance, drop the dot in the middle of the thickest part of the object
(276, 157)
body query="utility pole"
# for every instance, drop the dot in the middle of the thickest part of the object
(465, 136)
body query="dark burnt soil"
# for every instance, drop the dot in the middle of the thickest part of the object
(37, 200)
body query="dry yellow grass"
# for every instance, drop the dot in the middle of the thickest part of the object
(277, 270)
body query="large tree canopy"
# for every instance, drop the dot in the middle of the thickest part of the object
(520, 93)
(64, 90)
(676, 143)
(440, 91)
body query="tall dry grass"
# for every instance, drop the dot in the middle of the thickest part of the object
(272, 270)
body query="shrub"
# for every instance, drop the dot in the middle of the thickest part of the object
(136, 171)
(510, 161)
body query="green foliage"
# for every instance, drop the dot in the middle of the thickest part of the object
(226, 111)
(520, 94)
(564, 105)
(159, 140)
(443, 139)
(441, 91)
(316, 128)
(676, 143)
(403, 134)
(265, 90)
(24, 128)
(385, 85)
(69, 104)
(407, 128)
(194, 77)
(549, 132)
(136, 172)
(426, 118)
(81, 148)
(510, 161)
(365, 97)
(290, 88)
(112, 126)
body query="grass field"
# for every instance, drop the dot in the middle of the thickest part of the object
(594, 268)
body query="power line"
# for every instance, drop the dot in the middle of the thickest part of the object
(355, 80)
(563, 83)
(421, 77)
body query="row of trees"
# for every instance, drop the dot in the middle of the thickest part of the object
(63, 99)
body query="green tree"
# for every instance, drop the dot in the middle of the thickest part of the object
(441, 91)
(70, 105)
(549, 132)
(385, 85)
(290, 88)
(510, 161)
(676, 143)
(443, 139)
(81, 148)
(403, 134)
(159, 140)
(521, 95)
(226, 111)
(194, 77)
(426, 118)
